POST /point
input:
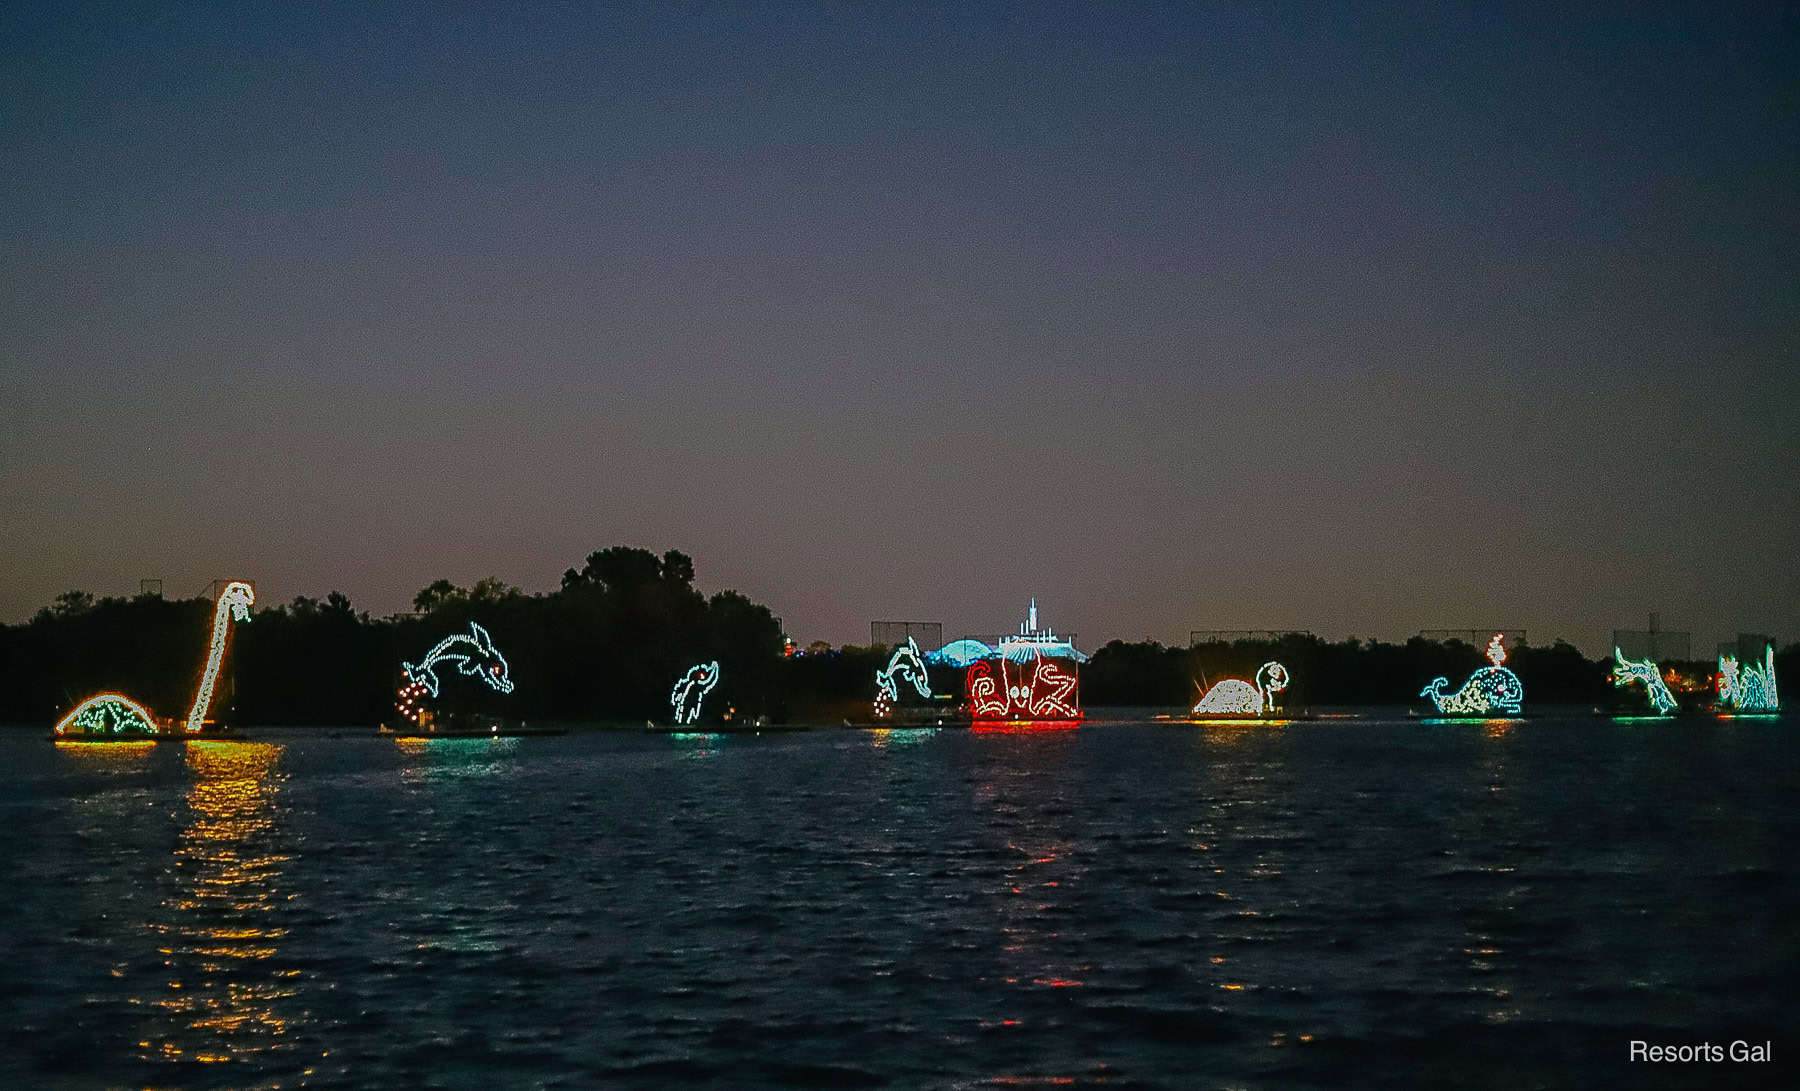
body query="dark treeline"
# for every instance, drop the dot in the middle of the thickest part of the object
(609, 643)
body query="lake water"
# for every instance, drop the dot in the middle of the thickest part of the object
(1122, 905)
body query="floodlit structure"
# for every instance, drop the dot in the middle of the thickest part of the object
(113, 715)
(691, 690)
(1491, 689)
(1236, 697)
(1626, 671)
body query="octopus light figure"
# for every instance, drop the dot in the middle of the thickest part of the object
(1041, 689)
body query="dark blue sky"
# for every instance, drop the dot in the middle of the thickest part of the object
(1360, 320)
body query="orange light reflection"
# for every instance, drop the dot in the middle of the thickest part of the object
(224, 999)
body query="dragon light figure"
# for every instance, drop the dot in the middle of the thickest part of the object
(1627, 671)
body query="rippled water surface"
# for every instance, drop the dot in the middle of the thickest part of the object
(1121, 905)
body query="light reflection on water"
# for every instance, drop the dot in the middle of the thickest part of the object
(698, 745)
(883, 737)
(227, 994)
(1135, 905)
(439, 759)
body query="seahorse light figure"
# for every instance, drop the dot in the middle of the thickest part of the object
(1627, 671)
(692, 689)
(116, 714)
(1490, 689)
(472, 653)
(1746, 687)
(906, 663)
(1236, 697)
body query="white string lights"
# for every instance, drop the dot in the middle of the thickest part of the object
(1236, 697)
(1490, 689)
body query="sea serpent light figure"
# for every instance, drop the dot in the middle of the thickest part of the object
(906, 663)
(1627, 671)
(116, 714)
(1236, 697)
(1492, 688)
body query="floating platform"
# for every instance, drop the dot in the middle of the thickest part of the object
(1435, 717)
(492, 731)
(1247, 721)
(723, 729)
(212, 735)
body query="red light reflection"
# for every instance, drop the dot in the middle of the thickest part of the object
(1021, 727)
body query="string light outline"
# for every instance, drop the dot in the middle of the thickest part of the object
(702, 675)
(1627, 671)
(1747, 688)
(90, 717)
(1492, 688)
(1045, 691)
(906, 661)
(1052, 692)
(483, 660)
(1236, 697)
(233, 605)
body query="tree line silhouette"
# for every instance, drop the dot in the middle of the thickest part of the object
(608, 644)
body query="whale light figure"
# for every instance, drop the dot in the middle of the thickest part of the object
(907, 663)
(692, 689)
(1627, 671)
(1747, 687)
(1236, 697)
(1490, 689)
(113, 714)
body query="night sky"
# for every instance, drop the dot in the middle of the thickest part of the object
(1359, 321)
